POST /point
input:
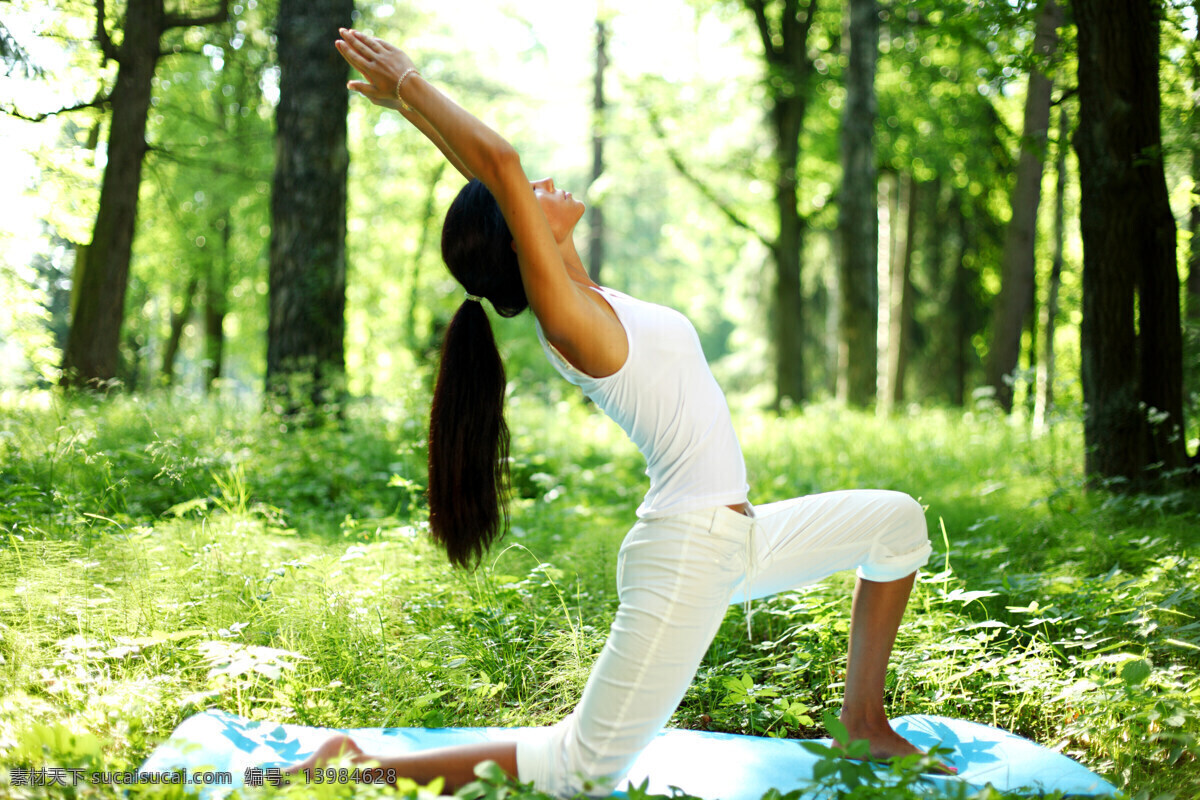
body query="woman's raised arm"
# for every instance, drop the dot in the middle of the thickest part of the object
(481, 152)
(390, 99)
(567, 317)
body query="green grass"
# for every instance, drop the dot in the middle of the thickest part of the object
(161, 555)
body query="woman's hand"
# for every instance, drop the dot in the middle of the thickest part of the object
(336, 747)
(379, 62)
(383, 65)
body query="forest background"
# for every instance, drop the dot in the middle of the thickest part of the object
(969, 336)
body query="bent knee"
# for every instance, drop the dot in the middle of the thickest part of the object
(910, 517)
(902, 546)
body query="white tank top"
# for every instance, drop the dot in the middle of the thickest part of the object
(665, 398)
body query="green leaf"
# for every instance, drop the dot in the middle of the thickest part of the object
(187, 506)
(836, 729)
(734, 685)
(1135, 672)
(641, 792)
(960, 596)
(491, 772)
(818, 749)
(859, 748)
(472, 791)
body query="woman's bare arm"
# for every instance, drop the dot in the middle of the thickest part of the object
(565, 314)
(390, 100)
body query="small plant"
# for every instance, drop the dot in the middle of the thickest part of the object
(765, 718)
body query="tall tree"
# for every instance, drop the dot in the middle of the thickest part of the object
(94, 338)
(1192, 329)
(305, 348)
(596, 213)
(858, 221)
(900, 297)
(428, 224)
(216, 302)
(788, 83)
(1131, 336)
(1048, 316)
(960, 315)
(953, 55)
(789, 71)
(1016, 300)
(179, 320)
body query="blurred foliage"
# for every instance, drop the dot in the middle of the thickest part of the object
(210, 161)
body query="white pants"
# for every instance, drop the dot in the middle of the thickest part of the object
(675, 578)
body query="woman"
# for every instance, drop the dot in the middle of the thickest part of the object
(698, 544)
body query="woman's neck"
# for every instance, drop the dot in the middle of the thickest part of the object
(573, 263)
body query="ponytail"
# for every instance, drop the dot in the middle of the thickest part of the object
(468, 440)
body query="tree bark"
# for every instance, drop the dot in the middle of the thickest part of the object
(1132, 379)
(428, 223)
(959, 304)
(901, 285)
(790, 380)
(888, 206)
(307, 293)
(596, 213)
(858, 220)
(1191, 340)
(216, 304)
(1044, 403)
(1015, 303)
(1193, 279)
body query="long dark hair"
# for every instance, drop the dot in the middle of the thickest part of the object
(468, 438)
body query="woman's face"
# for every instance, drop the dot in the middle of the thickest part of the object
(562, 210)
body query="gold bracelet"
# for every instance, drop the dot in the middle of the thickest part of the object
(400, 83)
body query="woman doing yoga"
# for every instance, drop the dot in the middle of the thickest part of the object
(697, 546)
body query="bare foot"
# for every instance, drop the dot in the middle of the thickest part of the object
(886, 744)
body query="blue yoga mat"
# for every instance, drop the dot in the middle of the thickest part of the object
(710, 765)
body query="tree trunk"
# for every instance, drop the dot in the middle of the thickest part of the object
(858, 220)
(959, 309)
(936, 244)
(1191, 340)
(787, 117)
(130, 364)
(98, 301)
(94, 338)
(216, 287)
(900, 320)
(1128, 251)
(178, 323)
(1015, 303)
(596, 213)
(427, 224)
(788, 84)
(831, 335)
(1044, 403)
(886, 214)
(1193, 279)
(307, 295)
